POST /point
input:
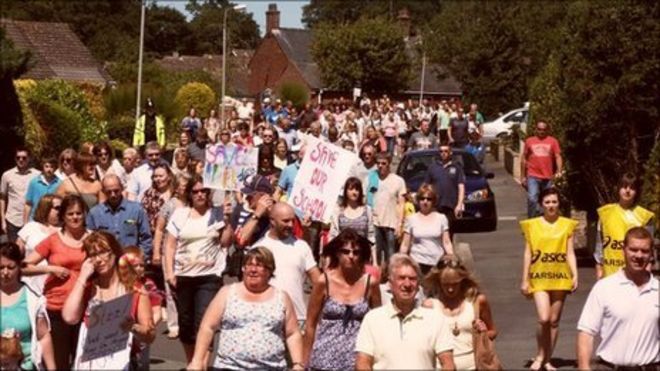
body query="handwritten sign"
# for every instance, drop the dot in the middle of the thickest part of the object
(104, 336)
(227, 166)
(321, 176)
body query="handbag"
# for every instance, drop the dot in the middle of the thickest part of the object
(485, 357)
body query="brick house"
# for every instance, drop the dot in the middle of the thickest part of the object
(284, 55)
(57, 51)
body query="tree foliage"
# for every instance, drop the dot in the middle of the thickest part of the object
(13, 63)
(344, 12)
(206, 27)
(111, 29)
(600, 91)
(493, 48)
(369, 53)
(197, 95)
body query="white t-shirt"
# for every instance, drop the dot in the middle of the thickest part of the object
(293, 258)
(386, 200)
(625, 318)
(198, 251)
(32, 234)
(426, 236)
(245, 112)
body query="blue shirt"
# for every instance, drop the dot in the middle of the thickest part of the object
(288, 177)
(37, 188)
(445, 180)
(129, 223)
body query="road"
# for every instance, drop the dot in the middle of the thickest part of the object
(498, 259)
(498, 263)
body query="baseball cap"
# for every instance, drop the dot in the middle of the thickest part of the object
(256, 183)
(266, 100)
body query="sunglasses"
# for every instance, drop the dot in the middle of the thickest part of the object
(21, 157)
(197, 191)
(349, 252)
(69, 159)
(56, 207)
(425, 199)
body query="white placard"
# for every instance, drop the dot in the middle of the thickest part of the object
(103, 335)
(321, 176)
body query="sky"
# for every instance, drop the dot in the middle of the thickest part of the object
(290, 11)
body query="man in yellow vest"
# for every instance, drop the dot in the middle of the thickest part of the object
(615, 220)
(149, 127)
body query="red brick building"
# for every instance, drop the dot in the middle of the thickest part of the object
(284, 56)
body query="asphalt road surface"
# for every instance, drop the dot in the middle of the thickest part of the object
(498, 263)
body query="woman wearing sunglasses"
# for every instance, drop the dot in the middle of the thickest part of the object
(426, 232)
(455, 295)
(198, 236)
(340, 299)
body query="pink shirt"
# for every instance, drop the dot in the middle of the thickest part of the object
(540, 155)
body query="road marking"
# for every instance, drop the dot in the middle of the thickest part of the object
(507, 218)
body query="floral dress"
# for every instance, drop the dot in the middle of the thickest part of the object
(252, 333)
(152, 202)
(336, 333)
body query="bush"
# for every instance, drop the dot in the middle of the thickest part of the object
(295, 92)
(197, 95)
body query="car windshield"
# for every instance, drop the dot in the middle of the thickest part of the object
(417, 166)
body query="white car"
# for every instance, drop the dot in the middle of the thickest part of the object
(502, 125)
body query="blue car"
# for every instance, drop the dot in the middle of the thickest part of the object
(480, 213)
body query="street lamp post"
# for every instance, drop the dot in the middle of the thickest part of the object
(237, 7)
(139, 80)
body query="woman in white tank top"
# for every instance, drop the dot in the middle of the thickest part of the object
(452, 292)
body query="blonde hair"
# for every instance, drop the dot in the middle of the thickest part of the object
(128, 274)
(433, 280)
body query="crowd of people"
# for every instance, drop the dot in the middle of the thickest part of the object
(379, 286)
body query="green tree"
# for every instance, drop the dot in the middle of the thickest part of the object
(369, 53)
(349, 11)
(493, 48)
(206, 27)
(600, 92)
(13, 64)
(166, 30)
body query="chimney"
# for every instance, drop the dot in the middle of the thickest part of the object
(272, 18)
(404, 21)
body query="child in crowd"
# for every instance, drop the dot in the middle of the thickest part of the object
(131, 273)
(11, 354)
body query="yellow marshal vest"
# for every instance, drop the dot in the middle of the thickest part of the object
(549, 269)
(615, 222)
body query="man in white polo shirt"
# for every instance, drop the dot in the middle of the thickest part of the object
(624, 310)
(401, 335)
(293, 258)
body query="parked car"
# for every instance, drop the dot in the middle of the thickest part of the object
(502, 125)
(480, 213)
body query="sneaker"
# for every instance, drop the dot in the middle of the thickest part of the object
(173, 334)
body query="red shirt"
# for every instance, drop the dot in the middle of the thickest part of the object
(56, 252)
(540, 155)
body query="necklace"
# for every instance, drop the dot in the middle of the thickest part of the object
(455, 331)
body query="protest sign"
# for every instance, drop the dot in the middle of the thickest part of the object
(321, 176)
(102, 333)
(227, 166)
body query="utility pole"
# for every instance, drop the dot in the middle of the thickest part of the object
(140, 56)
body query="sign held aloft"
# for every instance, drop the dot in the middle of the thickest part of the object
(320, 179)
(227, 166)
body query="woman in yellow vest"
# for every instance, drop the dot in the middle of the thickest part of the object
(615, 220)
(549, 271)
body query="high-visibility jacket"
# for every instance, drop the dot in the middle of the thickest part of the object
(615, 222)
(138, 134)
(549, 268)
